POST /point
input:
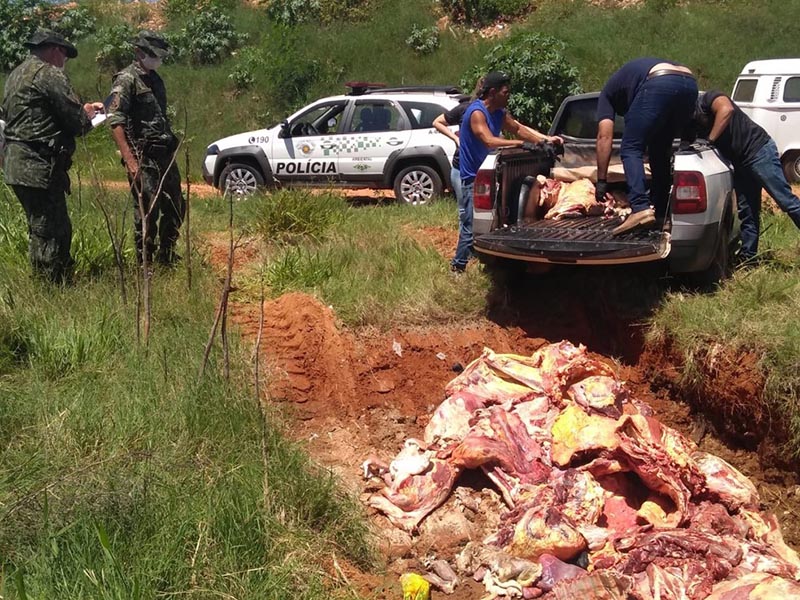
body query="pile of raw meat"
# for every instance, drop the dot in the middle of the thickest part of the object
(554, 199)
(603, 501)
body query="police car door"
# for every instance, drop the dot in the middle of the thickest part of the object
(377, 129)
(307, 148)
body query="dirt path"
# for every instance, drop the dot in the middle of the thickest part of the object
(352, 394)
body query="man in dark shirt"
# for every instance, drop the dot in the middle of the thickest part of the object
(442, 123)
(755, 159)
(657, 99)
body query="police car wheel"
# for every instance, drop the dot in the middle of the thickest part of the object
(417, 185)
(240, 179)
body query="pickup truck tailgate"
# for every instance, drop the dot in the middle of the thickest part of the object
(585, 240)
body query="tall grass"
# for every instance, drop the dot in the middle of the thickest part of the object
(756, 311)
(375, 267)
(122, 475)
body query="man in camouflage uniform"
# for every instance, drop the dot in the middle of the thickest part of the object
(142, 132)
(43, 115)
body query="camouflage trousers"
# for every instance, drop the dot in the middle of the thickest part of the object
(49, 231)
(166, 207)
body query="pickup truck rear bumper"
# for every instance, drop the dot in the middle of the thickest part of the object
(585, 240)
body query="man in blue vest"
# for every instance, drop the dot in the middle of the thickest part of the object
(484, 120)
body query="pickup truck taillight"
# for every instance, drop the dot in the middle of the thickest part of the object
(482, 193)
(689, 193)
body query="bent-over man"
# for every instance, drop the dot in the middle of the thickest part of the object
(657, 99)
(756, 164)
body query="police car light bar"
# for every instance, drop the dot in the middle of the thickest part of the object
(358, 88)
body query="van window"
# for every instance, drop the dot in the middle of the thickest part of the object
(745, 90)
(791, 91)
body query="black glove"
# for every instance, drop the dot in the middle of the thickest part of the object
(600, 190)
(702, 144)
(530, 146)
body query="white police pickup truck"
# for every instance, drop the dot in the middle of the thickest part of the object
(373, 137)
(697, 238)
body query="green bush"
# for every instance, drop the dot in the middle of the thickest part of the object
(208, 37)
(423, 40)
(187, 8)
(481, 12)
(290, 73)
(290, 216)
(18, 20)
(541, 77)
(115, 50)
(336, 11)
(292, 12)
(75, 23)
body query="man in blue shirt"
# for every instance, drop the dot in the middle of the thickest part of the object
(484, 120)
(657, 99)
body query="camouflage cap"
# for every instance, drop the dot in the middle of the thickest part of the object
(45, 37)
(152, 43)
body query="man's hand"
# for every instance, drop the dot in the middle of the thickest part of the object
(600, 190)
(554, 139)
(703, 144)
(132, 166)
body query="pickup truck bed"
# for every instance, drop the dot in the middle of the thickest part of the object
(698, 238)
(584, 240)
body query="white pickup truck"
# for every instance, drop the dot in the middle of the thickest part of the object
(697, 237)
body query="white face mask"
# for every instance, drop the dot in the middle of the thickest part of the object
(151, 63)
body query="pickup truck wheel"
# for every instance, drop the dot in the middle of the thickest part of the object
(417, 185)
(720, 268)
(240, 179)
(791, 166)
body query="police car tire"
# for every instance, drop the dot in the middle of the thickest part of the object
(417, 184)
(246, 179)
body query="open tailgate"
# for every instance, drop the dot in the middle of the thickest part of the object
(584, 240)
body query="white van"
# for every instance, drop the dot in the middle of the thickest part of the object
(768, 91)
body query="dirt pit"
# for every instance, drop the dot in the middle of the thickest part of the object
(354, 394)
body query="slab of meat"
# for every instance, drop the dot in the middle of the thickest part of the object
(725, 483)
(660, 456)
(450, 422)
(500, 445)
(599, 394)
(577, 434)
(575, 199)
(407, 504)
(756, 586)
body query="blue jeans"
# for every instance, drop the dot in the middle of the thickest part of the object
(764, 171)
(464, 246)
(455, 182)
(660, 111)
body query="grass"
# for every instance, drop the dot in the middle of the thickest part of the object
(368, 262)
(755, 311)
(123, 475)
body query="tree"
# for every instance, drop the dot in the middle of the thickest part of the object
(541, 76)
